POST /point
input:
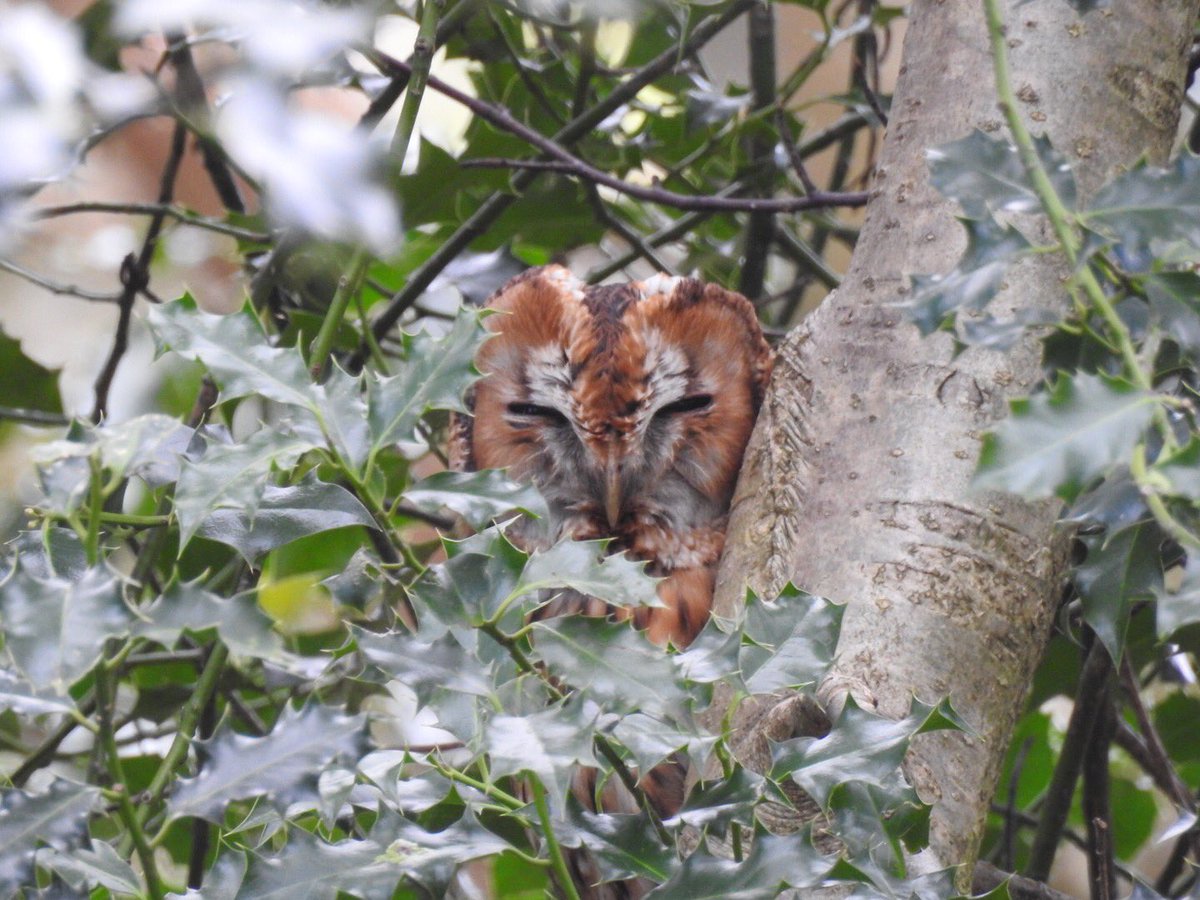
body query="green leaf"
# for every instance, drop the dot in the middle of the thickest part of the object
(342, 409)
(57, 818)
(186, 608)
(1180, 607)
(861, 747)
(1182, 470)
(285, 514)
(429, 858)
(479, 497)
(426, 667)
(548, 744)
(1149, 205)
(310, 868)
(55, 629)
(986, 175)
(651, 739)
(1175, 301)
(469, 587)
(717, 804)
(622, 670)
(99, 867)
(872, 821)
(24, 699)
(622, 846)
(233, 476)
(235, 350)
(583, 566)
(1056, 442)
(991, 249)
(791, 640)
(27, 384)
(1135, 824)
(282, 766)
(774, 862)
(435, 375)
(1119, 568)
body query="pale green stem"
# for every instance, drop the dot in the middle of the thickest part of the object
(557, 861)
(1061, 218)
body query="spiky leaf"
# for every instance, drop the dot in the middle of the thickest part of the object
(282, 766)
(861, 747)
(57, 818)
(435, 375)
(234, 349)
(1056, 442)
(548, 744)
(479, 497)
(986, 174)
(1150, 204)
(621, 669)
(54, 629)
(285, 514)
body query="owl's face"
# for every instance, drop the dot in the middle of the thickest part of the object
(629, 406)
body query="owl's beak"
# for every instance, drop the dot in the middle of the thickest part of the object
(612, 493)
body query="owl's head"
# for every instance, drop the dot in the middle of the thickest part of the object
(619, 401)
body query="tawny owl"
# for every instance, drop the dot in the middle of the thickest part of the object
(629, 406)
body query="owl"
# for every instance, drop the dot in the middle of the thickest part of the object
(629, 406)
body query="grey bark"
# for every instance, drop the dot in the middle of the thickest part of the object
(857, 482)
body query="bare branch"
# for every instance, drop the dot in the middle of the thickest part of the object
(53, 287)
(166, 210)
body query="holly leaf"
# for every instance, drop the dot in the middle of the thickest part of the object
(24, 699)
(550, 745)
(1056, 442)
(622, 846)
(718, 803)
(310, 868)
(775, 862)
(1119, 568)
(100, 867)
(791, 640)
(622, 670)
(1149, 205)
(282, 766)
(426, 667)
(233, 476)
(1175, 303)
(235, 350)
(986, 174)
(991, 249)
(57, 818)
(431, 859)
(186, 608)
(55, 629)
(479, 497)
(435, 375)
(1181, 469)
(342, 409)
(860, 747)
(583, 566)
(285, 514)
(1180, 607)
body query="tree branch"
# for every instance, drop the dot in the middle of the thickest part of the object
(163, 209)
(54, 287)
(572, 165)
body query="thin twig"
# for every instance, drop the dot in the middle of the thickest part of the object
(162, 208)
(760, 224)
(56, 288)
(1092, 682)
(33, 416)
(1097, 811)
(573, 165)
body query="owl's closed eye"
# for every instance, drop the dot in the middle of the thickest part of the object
(629, 406)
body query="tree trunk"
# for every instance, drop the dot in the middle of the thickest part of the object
(857, 482)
